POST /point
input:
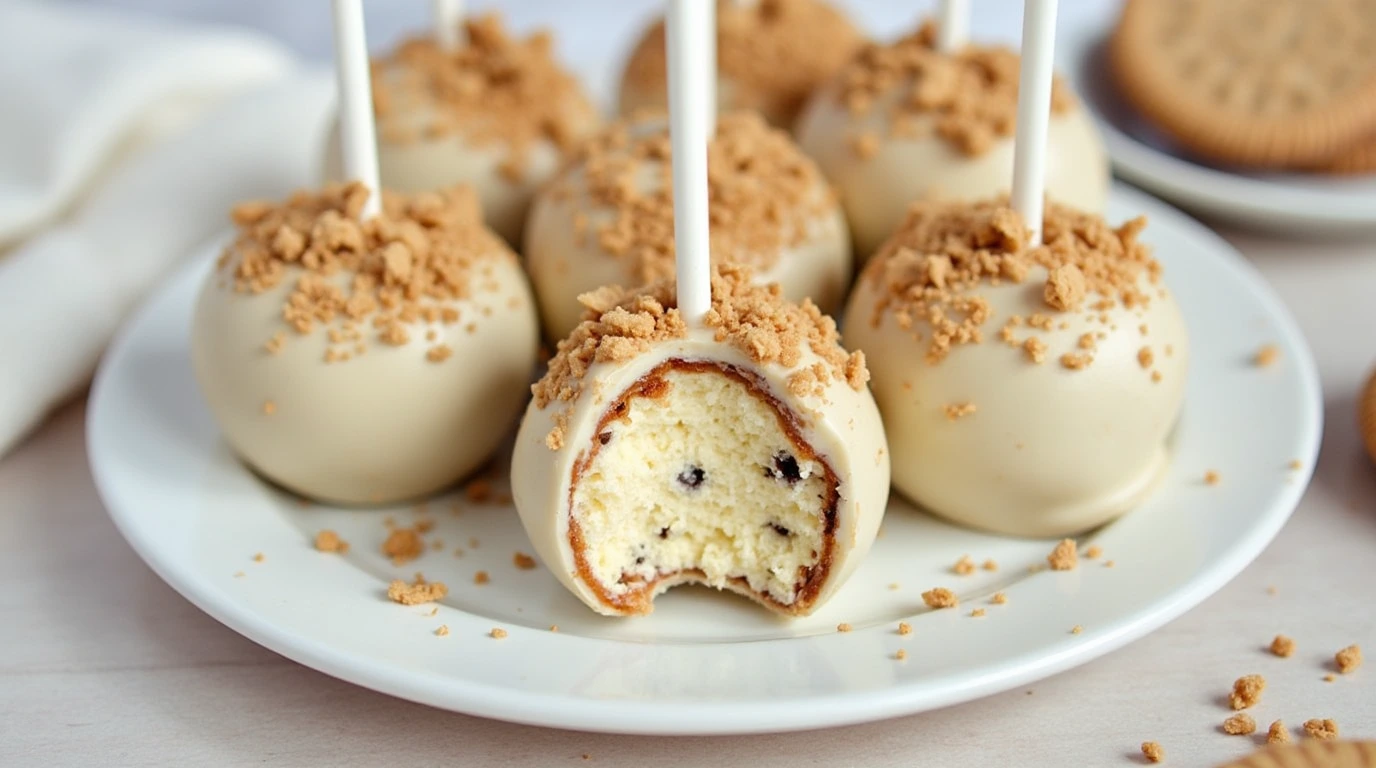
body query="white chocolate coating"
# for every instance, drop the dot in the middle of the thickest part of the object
(385, 426)
(422, 163)
(841, 424)
(1048, 451)
(877, 190)
(565, 261)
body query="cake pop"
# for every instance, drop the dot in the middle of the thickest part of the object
(607, 219)
(495, 112)
(702, 429)
(905, 122)
(771, 54)
(1059, 420)
(364, 348)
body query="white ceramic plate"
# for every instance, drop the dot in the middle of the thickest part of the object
(1312, 204)
(707, 662)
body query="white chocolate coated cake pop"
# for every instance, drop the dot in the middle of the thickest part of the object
(746, 454)
(771, 55)
(904, 122)
(607, 219)
(496, 112)
(1026, 391)
(366, 362)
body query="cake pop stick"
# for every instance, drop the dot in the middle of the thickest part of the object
(447, 14)
(1034, 112)
(690, 119)
(953, 25)
(357, 132)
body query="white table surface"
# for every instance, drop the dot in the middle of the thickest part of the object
(103, 664)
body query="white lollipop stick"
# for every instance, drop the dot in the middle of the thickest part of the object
(447, 14)
(711, 55)
(953, 25)
(1034, 112)
(358, 134)
(690, 117)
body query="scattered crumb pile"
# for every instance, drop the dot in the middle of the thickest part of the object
(972, 95)
(774, 52)
(363, 281)
(494, 89)
(763, 193)
(929, 272)
(416, 593)
(754, 319)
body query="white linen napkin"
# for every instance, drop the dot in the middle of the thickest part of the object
(140, 134)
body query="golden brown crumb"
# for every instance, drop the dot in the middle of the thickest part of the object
(999, 598)
(523, 561)
(497, 633)
(1151, 750)
(893, 585)
(239, 574)
(990, 565)
(1065, 289)
(425, 525)
(421, 251)
(1077, 629)
(329, 541)
(478, 490)
(1348, 659)
(928, 274)
(442, 630)
(1240, 724)
(1282, 646)
(1145, 358)
(439, 354)
(495, 89)
(269, 408)
(843, 627)
(1246, 691)
(1109, 563)
(416, 593)
(1063, 557)
(258, 558)
(970, 93)
(1271, 590)
(1296, 464)
(900, 654)
(473, 542)
(753, 319)
(1093, 552)
(864, 145)
(964, 566)
(904, 628)
(1212, 477)
(403, 545)
(433, 611)
(1277, 734)
(554, 627)
(1321, 729)
(940, 597)
(1329, 678)
(957, 410)
(1267, 355)
(480, 578)
(976, 613)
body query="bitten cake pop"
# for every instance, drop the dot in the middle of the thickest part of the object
(608, 218)
(1058, 421)
(365, 362)
(746, 454)
(364, 348)
(494, 111)
(702, 429)
(905, 122)
(771, 54)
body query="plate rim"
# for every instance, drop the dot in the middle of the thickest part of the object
(748, 717)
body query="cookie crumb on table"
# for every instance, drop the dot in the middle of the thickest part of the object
(955, 411)
(940, 597)
(258, 557)
(1282, 646)
(480, 578)
(416, 593)
(269, 407)
(554, 627)
(1296, 464)
(1321, 729)
(1240, 724)
(1063, 557)
(478, 491)
(1277, 734)
(1330, 678)
(329, 541)
(523, 561)
(1151, 750)
(990, 565)
(1348, 659)
(442, 630)
(1246, 691)
(1267, 355)
(964, 566)
(843, 627)
(904, 628)
(403, 545)
(1212, 477)
(900, 654)
(497, 633)
(999, 598)
(976, 613)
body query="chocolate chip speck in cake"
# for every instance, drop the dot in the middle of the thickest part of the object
(755, 320)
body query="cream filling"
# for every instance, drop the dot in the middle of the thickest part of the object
(702, 476)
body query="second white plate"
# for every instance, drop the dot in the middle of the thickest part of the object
(704, 662)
